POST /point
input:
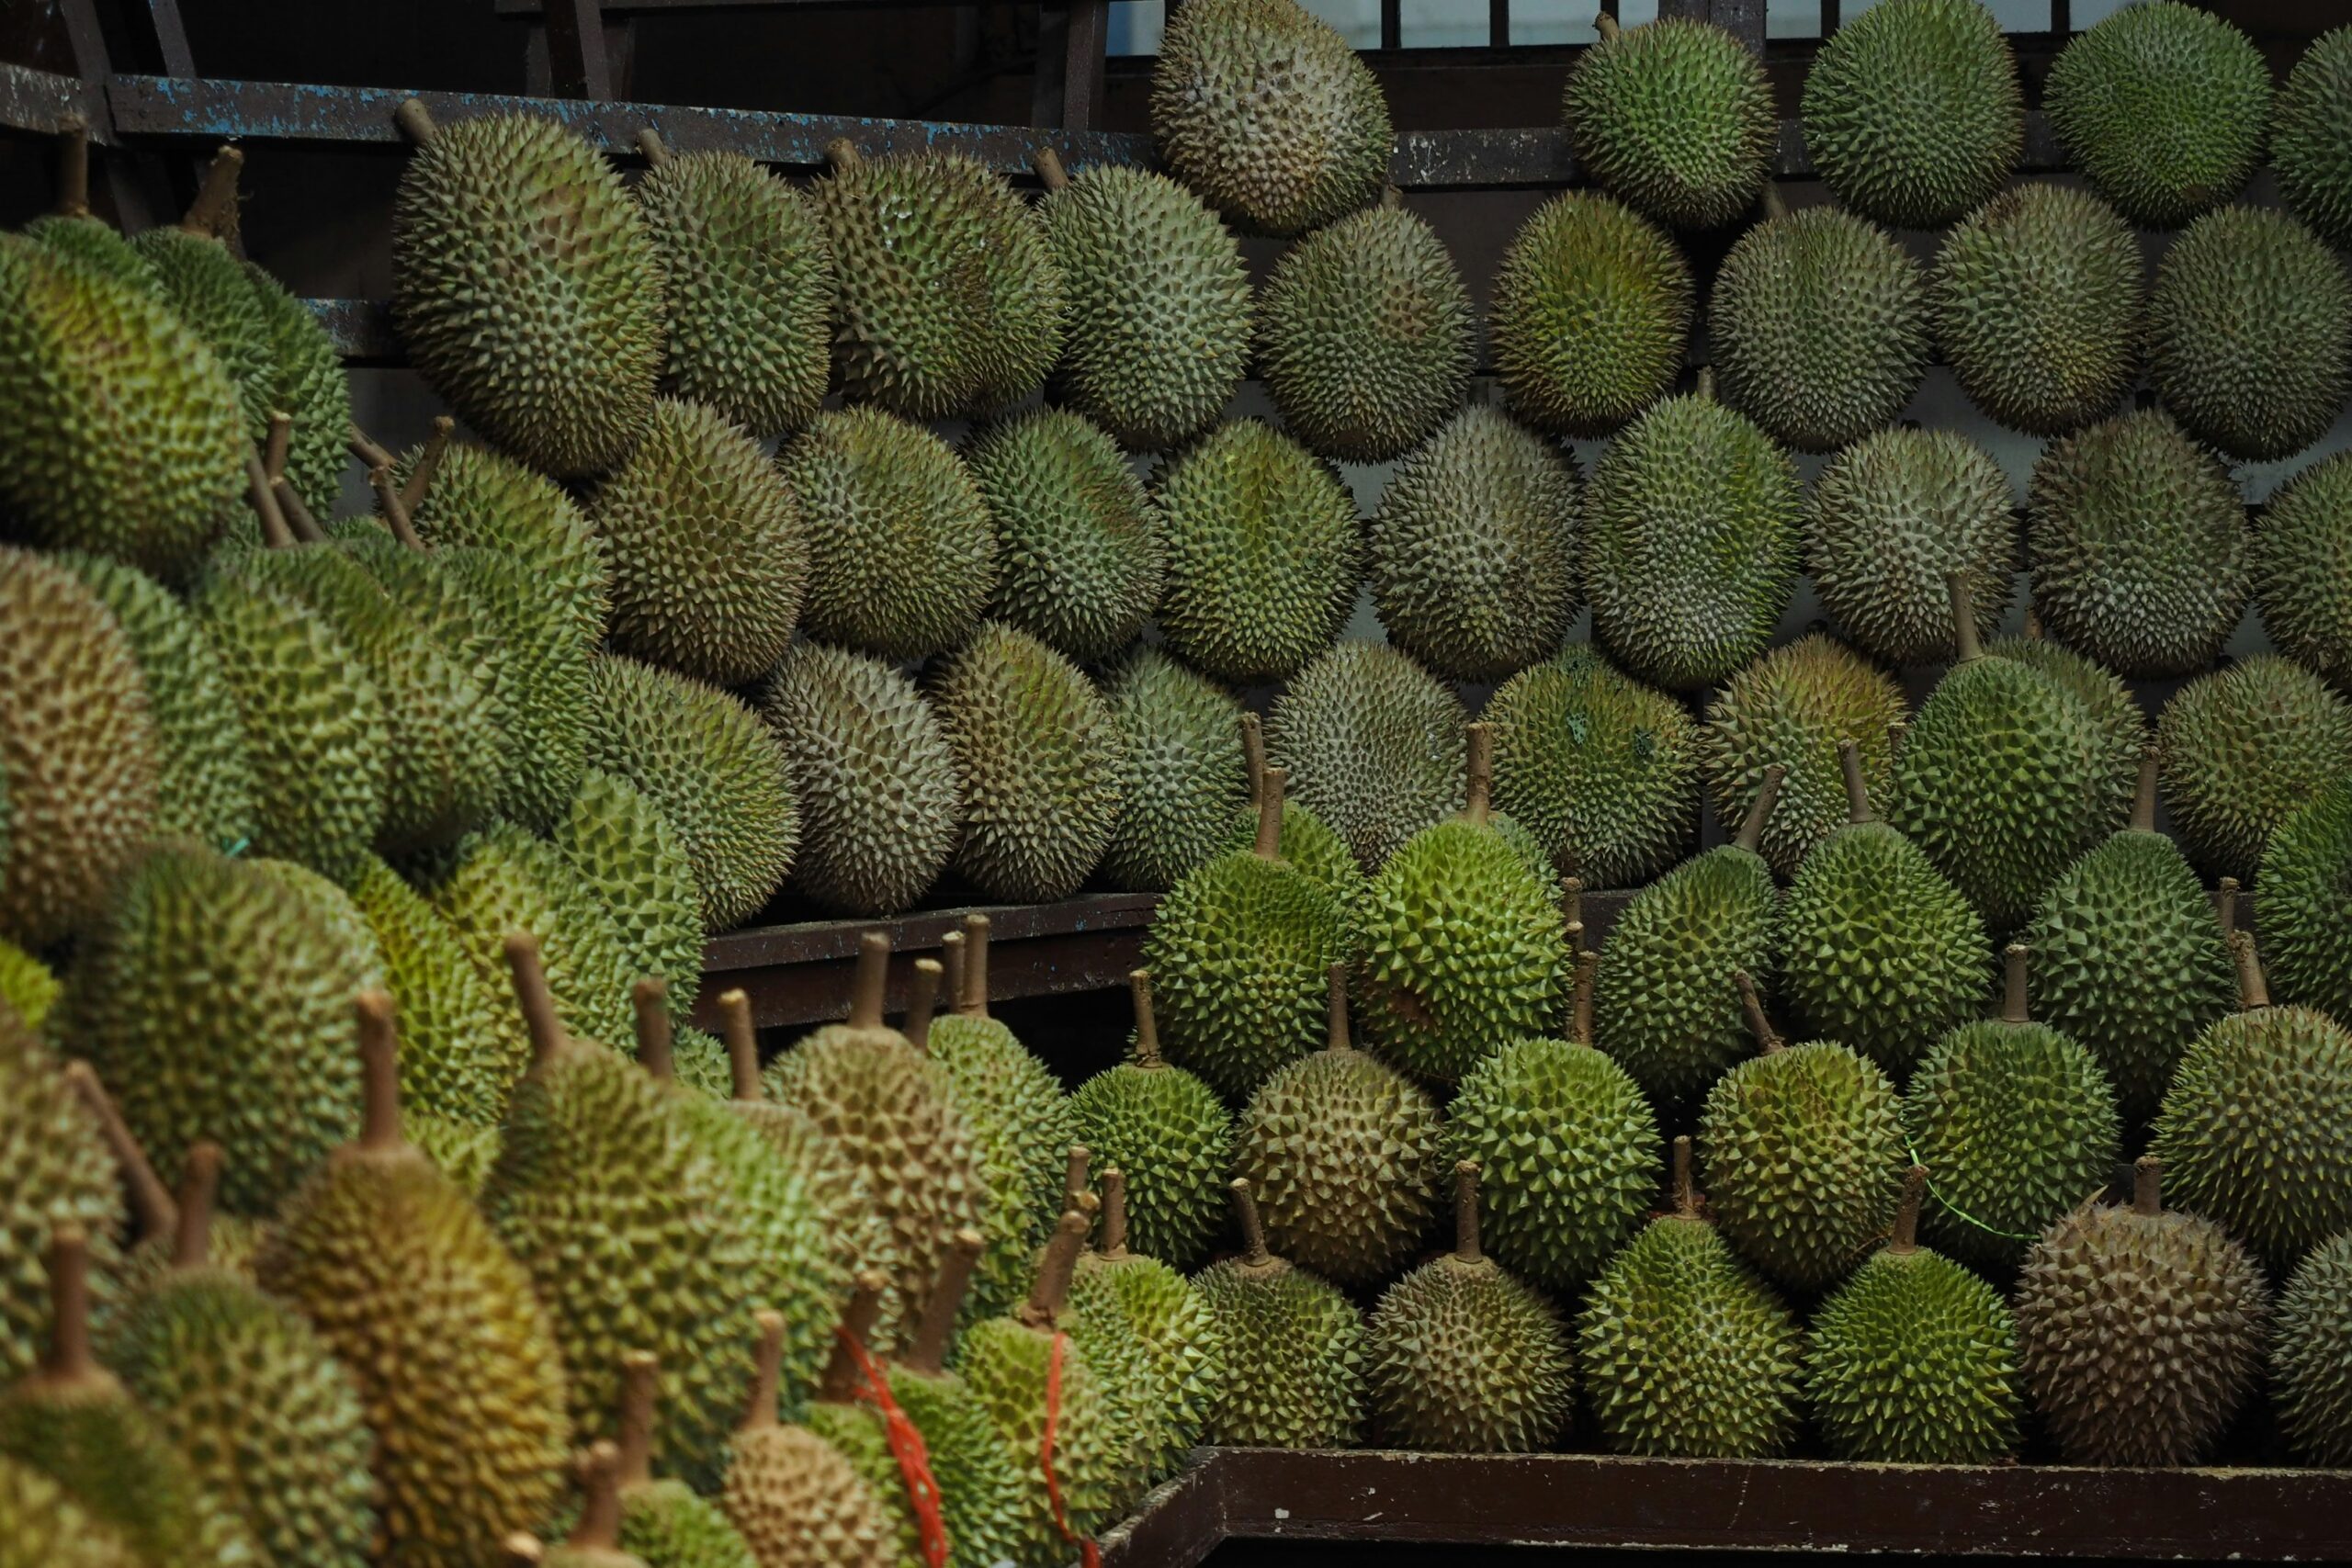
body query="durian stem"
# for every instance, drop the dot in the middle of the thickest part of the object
(972, 998)
(928, 1354)
(2015, 1008)
(922, 996)
(1074, 1176)
(1271, 787)
(1751, 829)
(872, 979)
(365, 449)
(274, 534)
(200, 1181)
(2148, 1185)
(656, 1046)
(276, 445)
(2225, 907)
(1392, 200)
(1465, 1210)
(1906, 1213)
(396, 515)
(1768, 1038)
(1606, 26)
(521, 1548)
(1686, 1194)
(1571, 900)
(743, 1045)
(1897, 731)
(2144, 796)
(1580, 1014)
(2032, 621)
(841, 155)
(648, 146)
(72, 167)
(1702, 385)
(641, 1384)
(1147, 1027)
(2254, 991)
(951, 968)
(767, 1369)
(151, 1202)
(1858, 789)
(414, 121)
(299, 519)
(1114, 1212)
(213, 213)
(1253, 755)
(1337, 1039)
(69, 1360)
(428, 464)
(1052, 1288)
(1960, 588)
(839, 1385)
(1477, 799)
(1253, 1232)
(1775, 205)
(599, 1529)
(380, 1073)
(531, 994)
(1050, 172)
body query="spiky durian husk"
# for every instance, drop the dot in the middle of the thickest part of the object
(1182, 786)
(1676, 117)
(634, 863)
(2311, 1355)
(1342, 1153)
(1590, 315)
(89, 241)
(1078, 540)
(54, 1170)
(502, 880)
(1913, 114)
(1022, 325)
(27, 987)
(47, 1529)
(2243, 749)
(2119, 728)
(1685, 1352)
(666, 1523)
(2310, 145)
(462, 1043)
(2302, 560)
(1183, 1347)
(1024, 1125)
(482, 498)
(1171, 1136)
(118, 1464)
(204, 282)
(465, 1152)
(1793, 707)
(307, 381)
(1915, 1361)
(979, 1477)
(2140, 1335)
(2303, 904)
(1667, 1008)
(909, 252)
(1887, 520)
(856, 1431)
(1372, 745)
(1005, 1365)
(1465, 1358)
(1297, 1379)
(799, 1503)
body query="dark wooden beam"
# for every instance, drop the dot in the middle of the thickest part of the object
(577, 66)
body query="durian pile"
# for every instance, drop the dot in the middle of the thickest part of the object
(369, 1196)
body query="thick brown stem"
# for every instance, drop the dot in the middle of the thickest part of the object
(841, 155)
(655, 1043)
(2143, 797)
(1253, 755)
(872, 981)
(742, 1045)
(263, 499)
(301, 521)
(395, 510)
(1074, 1176)
(2254, 991)
(276, 445)
(650, 148)
(839, 1385)
(1147, 1027)
(1253, 1232)
(951, 967)
(200, 1181)
(599, 1529)
(1768, 1038)
(641, 1385)
(1606, 26)
(2015, 1007)
(428, 463)
(767, 1369)
(1752, 830)
(922, 996)
(972, 999)
(1271, 786)
(1572, 901)
(928, 1354)
(1702, 385)
(69, 1360)
(414, 120)
(1906, 1213)
(1588, 965)
(1465, 1210)
(531, 994)
(2225, 907)
(1858, 789)
(1478, 800)
(213, 213)
(1337, 1008)
(1052, 1288)
(1775, 205)
(365, 449)
(380, 1073)
(151, 1202)
(2032, 621)
(1686, 1194)
(1050, 172)
(1961, 590)
(72, 167)
(2148, 1185)
(1114, 1212)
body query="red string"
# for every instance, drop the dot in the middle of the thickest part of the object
(1088, 1554)
(907, 1447)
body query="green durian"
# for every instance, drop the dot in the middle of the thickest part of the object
(1795, 706)
(1182, 787)
(1298, 1377)
(464, 1151)
(1166, 1130)
(629, 858)
(1675, 117)
(2119, 737)
(2301, 560)
(47, 1529)
(792, 1496)
(1371, 744)
(1078, 540)
(2243, 749)
(1186, 1358)
(1020, 333)
(2310, 147)
(471, 495)
(2310, 1349)
(981, 1479)
(26, 987)
(203, 280)
(502, 880)
(56, 1173)
(1305, 841)
(842, 1416)
(2303, 904)
(594, 1540)
(307, 383)
(527, 287)
(72, 230)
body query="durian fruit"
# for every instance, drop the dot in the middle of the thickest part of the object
(1372, 743)
(2036, 297)
(527, 287)
(308, 387)
(1590, 314)
(1182, 786)
(1078, 540)
(2256, 1130)
(1913, 1360)
(1667, 1011)
(1342, 1152)
(2128, 959)
(2243, 749)
(1460, 940)
(1020, 333)
(707, 548)
(1675, 117)
(1366, 337)
(595, 1540)
(1473, 552)
(902, 554)
(1464, 1358)
(791, 1495)
(2311, 1355)
(1262, 552)
(1888, 518)
(2119, 728)
(1185, 1357)
(2308, 146)
(27, 987)
(1264, 112)
(201, 278)
(1692, 522)
(1167, 1131)
(2163, 106)
(1997, 779)
(2302, 562)
(2303, 904)
(892, 1114)
(1802, 1152)
(706, 762)
(1599, 767)
(2140, 1331)
(1240, 947)
(1038, 759)
(748, 282)
(453, 1358)
(1567, 1147)
(1160, 305)
(47, 1529)
(844, 1415)
(1818, 325)
(874, 776)
(464, 1151)
(1878, 950)
(55, 1174)
(126, 1273)
(137, 448)
(458, 493)
(1298, 1377)
(2021, 1121)
(74, 1422)
(981, 1479)
(502, 880)
(1912, 113)
(1684, 1352)
(78, 747)
(634, 863)
(72, 230)
(2250, 333)
(1795, 706)
(268, 1419)
(214, 1002)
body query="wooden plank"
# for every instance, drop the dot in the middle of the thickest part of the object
(37, 100)
(1085, 65)
(576, 62)
(1177, 1527)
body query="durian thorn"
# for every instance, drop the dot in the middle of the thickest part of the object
(1751, 829)
(428, 464)
(1768, 1038)
(1702, 385)
(1146, 1027)
(276, 445)
(1685, 1193)
(1571, 900)
(414, 121)
(1906, 1213)
(972, 998)
(1775, 205)
(1606, 26)
(521, 1548)
(1253, 754)
(2254, 991)
(68, 1358)
(1960, 588)
(2143, 795)
(656, 1044)
(365, 448)
(839, 1385)
(1391, 197)
(72, 167)
(1478, 796)
(1253, 1232)
(2148, 1185)
(1115, 1212)
(841, 155)
(1052, 1288)
(2225, 907)
(598, 1469)
(264, 501)
(529, 978)
(301, 521)
(1858, 789)
(650, 147)
(1050, 172)
(1580, 1026)
(396, 515)
(1336, 1010)
(2015, 1007)
(872, 979)
(151, 1202)
(767, 1371)
(213, 213)
(1074, 1176)
(951, 967)
(379, 1073)
(200, 1182)
(1465, 1210)
(742, 1045)
(1272, 785)
(928, 1353)
(641, 1387)
(922, 996)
